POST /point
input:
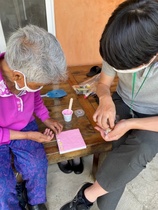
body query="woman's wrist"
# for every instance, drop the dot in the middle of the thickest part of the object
(18, 135)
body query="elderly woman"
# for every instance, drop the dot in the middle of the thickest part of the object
(33, 58)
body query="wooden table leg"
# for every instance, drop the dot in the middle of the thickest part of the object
(98, 159)
(95, 164)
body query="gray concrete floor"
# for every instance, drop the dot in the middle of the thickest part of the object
(140, 194)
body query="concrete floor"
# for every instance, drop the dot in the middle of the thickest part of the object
(140, 194)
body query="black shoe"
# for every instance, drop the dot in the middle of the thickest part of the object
(93, 71)
(22, 195)
(37, 207)
(77, 168)
(66, 168)
(78, 203)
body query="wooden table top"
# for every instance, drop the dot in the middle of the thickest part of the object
(93, 140)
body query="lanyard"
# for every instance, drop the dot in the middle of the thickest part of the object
(133, 88)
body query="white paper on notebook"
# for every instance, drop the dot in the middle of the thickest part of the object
(70, 140)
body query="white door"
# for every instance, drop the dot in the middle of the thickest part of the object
(18, 13)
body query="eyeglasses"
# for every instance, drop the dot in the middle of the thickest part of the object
(135, 69)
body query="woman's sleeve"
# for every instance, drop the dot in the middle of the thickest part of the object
(4, 136)
(40, 109)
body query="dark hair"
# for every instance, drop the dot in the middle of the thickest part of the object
(130, 37)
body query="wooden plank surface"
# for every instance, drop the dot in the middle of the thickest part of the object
(95, 143)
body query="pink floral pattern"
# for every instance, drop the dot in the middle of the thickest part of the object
(4, 91)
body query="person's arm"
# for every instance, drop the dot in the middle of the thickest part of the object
(42, 113)
(105, 113)
(40, 109)
(7, 135)
(47, 136)
(149, 123)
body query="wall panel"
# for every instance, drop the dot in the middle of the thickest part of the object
(79, 25)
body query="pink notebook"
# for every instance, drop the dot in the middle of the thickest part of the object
(70, 140)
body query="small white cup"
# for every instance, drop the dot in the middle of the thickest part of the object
(67, 114)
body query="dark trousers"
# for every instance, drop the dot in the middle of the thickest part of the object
(129, 156)
(30, 160)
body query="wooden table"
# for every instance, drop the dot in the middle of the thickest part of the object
(95, 143)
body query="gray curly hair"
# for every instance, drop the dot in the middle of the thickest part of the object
(37, 54)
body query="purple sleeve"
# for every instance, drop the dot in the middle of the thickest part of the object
(4, 136)
(40, 109)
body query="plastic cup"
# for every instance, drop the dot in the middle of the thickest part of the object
(67, 114)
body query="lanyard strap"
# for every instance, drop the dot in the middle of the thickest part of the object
(133, 86)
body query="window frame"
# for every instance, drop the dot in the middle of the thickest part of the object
(50, 23)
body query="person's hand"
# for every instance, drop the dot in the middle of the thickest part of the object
(47, 136)
(54, 125)
(105, 113)
(117, 132)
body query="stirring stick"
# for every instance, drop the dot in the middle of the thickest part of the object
(70, 103)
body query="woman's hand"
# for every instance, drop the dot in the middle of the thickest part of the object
(117, 132)
(47, 136)
(37, 136)
(54, 125)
